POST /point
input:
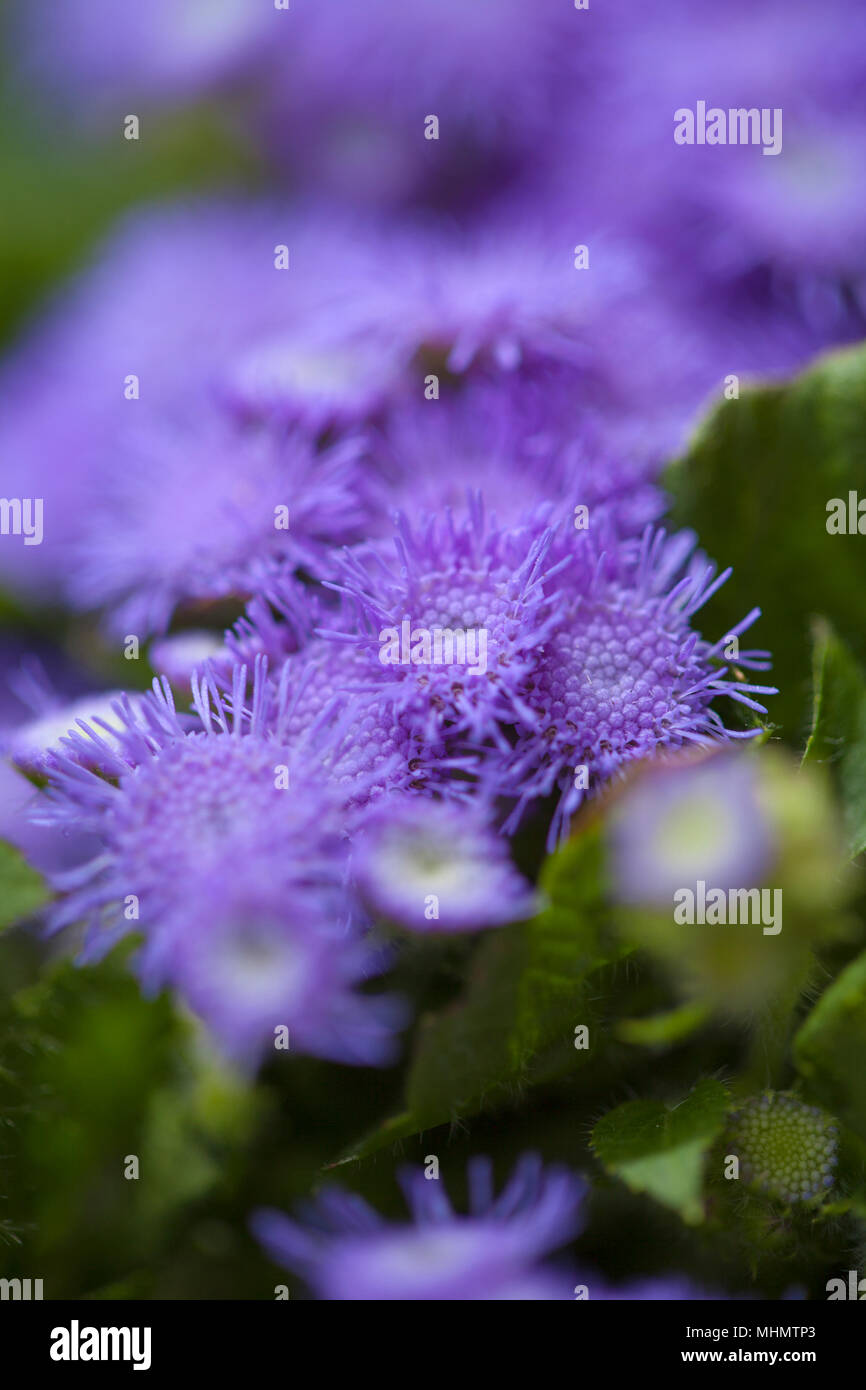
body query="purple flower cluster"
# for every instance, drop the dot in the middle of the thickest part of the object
(395, 457)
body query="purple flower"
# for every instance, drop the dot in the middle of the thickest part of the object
(204, 822)
(263, 973)
(327, 691)
(689, 819)
(431, 866)
(624, 676)
(345, 1250)
(335, 699)
(207, 510)
(455, 621)
(507, 294)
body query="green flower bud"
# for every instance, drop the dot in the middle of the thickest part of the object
(786, 1148)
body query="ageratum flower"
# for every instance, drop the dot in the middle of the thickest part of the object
(786, 1148)
(336, 698)
(691, 818)
(208, 510)
(431, 866)
(455, 620)
(345, 1250)
(262, 974)
(32, 744)
(207, 820)
(508, 295)
(322, 379)
(623, 675)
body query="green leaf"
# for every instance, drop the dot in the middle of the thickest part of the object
(22, 889)
(529, 988)
(755, 484)
(830, 1047)
(661, 1151)
(838, 735)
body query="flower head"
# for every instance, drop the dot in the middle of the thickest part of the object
(431, 866)
(786, 1148)
(263, 974)
(454, 619)
(691, 818)
(347, 1251)
(130, 373)
(623, 675)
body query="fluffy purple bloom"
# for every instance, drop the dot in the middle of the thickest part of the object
(336, 698)
(345, 1250)
(327, 691)
(431, 866)
(184, 798)
(623, 675)
(208, 510)
(689, 819)
(250, 969)
(507, 293)
(454, 619)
